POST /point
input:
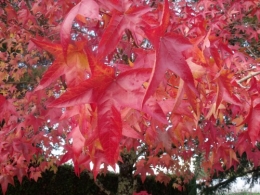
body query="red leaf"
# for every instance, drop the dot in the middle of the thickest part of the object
(110, 130)
(55, 49)
(152, 108)
(132, 82)
(3, 101)
(78, 140)
(74, 96)
(86, 8)
(107, 92)
(98, 160)
(35, 174)
(169, 49)
(169, 56)
(154, 34)
(5, 180)
(253, 121)
(66, 157)
(179, 96)
(52, 74)
(166, 17)
(167, 160)
(128, 131)
(163, 178)
(127, 90)
(141, 193)
(120, 21)
(225, 90)
(133, 79)
(142, 167)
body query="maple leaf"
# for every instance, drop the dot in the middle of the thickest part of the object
(7, 108)
(164, 139)
(161, 177)
(253, 123)
(78, 140)
(142, 168)
(108, 92)
(178, 64)
(167, 160)
(53, 48)
(109, 130)
(75, 67)
(224, 90)
(5, 180)
(169, 49)
(153, 160)
(35, 174)
(25, 15)
(2, 102)
(86, 8)
(98, 160)
(128, 18)
(21, 173)
(86, 92)
(128, 131)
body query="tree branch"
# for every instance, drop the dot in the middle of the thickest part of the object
(223, 183)
(99, 184)
(231, 179)
(248, 77)
(19, 82)
(252, 52)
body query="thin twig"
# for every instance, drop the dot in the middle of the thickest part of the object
(251, 52)
(248, 77)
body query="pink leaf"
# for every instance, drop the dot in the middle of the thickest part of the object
(86, 8)
(169, 56)
(253, 121)
(130, 132)
(110, 130)
(51, 75)
(78, 140)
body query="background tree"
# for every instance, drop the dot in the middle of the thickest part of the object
(141, 84)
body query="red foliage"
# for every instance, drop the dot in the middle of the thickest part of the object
(165, 77)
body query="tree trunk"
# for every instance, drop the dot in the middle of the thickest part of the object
(125, 178)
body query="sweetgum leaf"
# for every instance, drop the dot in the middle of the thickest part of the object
(120, 21)
(253, 121)
(86, 8)
(169, 56)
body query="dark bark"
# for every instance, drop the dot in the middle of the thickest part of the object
(125, 178)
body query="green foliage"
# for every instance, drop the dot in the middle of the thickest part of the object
(156, 188)
(65, 182)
